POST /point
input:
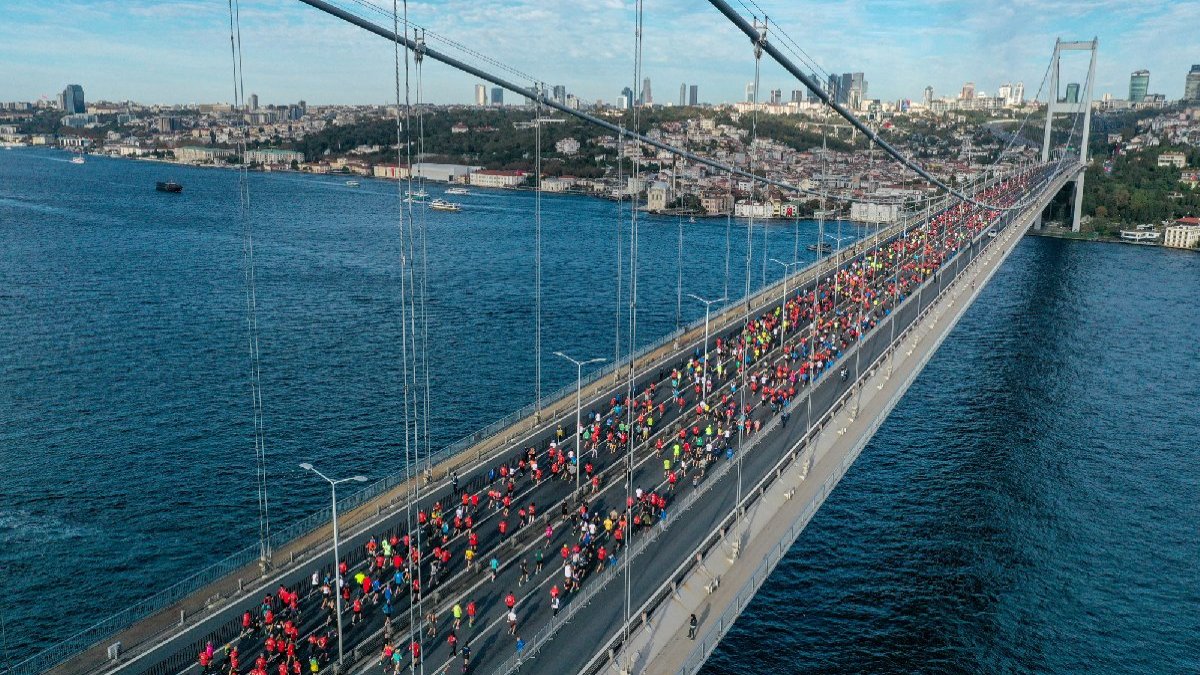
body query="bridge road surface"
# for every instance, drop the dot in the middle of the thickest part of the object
(167, 656)
(613, 498)
(693, 525)
(561, 492)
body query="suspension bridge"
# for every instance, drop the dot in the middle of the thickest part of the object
(621, 525)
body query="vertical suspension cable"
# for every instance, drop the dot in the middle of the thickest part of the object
(633, 284)
(537, 266)
(679, 257)
(422, 298)
(260, 449)
(620, 254)
(728, 240)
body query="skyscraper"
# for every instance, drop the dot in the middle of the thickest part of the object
(1018, 94)
(1139, 85)
(968, 92)
(844, 88)
(627, 94)
(749, 92)
(70, 100)
(497, 96)
(776, 96)
(682, 94)
(797, 96)
(647, 97)
(1004, 92)
(694, 95)
(481, 99)
(1191, 85)
(812, 95)
(1073, 92)
(858, 90)
(559, 93)
(928, 98)
(833, 87)
(254, 101)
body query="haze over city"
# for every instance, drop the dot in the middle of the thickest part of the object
(154, 52)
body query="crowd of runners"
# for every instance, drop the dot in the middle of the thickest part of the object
(483, 557)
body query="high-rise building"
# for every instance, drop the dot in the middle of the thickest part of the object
(1018, 94)
(1072, 92)
(647, 97)
(1191, 85)
(497, 96)
(797, 96)
(559, 93)
(858, 90)
(776, 96)
(812, 95)
(1004, 92)
(968, 92)
(927, 99)
(627, 94)
(694, 95)
(254, 101)
(1139, 85)
(833, 88)
(71, 101)
(844, 87)
(682, 94)
(749, 92)
(481, 99)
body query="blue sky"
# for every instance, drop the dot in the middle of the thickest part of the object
(178, 51)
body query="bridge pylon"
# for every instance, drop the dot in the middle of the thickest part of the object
(1081, 106)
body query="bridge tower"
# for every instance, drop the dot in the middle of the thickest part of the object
(1082, 106)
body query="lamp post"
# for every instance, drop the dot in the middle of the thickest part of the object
(787, 268)
(707, 308)
(578, 409)
(337, 561)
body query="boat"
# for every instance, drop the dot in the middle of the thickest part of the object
(168, 186)
(458, 191)
(692, 219)
(821, 248)
(77, 159)
(351, 183)
(443, 205)
(419, 195)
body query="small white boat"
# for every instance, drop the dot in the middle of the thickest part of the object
(351, 183)
(443, 205)
(458, 191)
(78, 159)
(692, 219)
(417, 196)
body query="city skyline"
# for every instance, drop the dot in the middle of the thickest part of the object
(130, 55)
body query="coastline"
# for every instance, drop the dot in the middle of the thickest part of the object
(1093, 237)
(357, 176)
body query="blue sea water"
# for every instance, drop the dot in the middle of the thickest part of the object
(1029, 507)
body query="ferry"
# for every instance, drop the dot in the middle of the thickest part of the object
(169, 186)
(458, 191)
(351, 183)
(443, 205)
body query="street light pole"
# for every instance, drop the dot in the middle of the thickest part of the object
(787, 268)
(704, 377)
(578, 410)
(337, 559)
